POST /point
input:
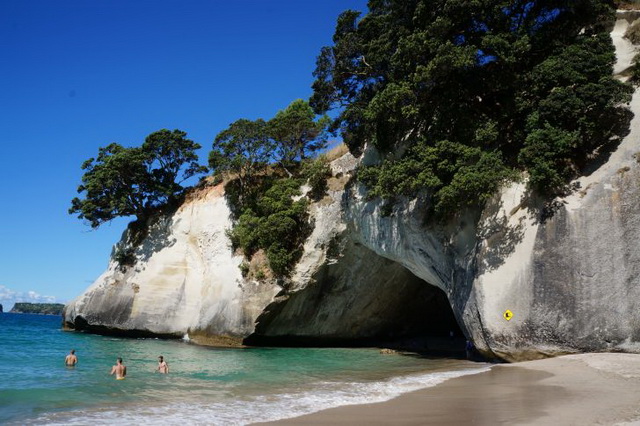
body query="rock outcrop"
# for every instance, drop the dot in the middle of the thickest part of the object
(521, 282)
(185, 281)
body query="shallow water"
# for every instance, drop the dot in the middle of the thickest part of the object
(205, 385)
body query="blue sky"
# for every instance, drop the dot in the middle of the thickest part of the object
(77, 75)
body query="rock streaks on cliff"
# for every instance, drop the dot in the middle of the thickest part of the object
(570, 277)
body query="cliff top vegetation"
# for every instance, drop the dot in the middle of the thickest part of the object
(136, 181)
(459, 96)
(463, 96)
(269, 161)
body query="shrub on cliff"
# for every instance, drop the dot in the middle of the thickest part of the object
(462, 95)
(276, 221)
(316, 172)
(266, 163)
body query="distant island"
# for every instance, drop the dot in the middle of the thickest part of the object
(37, 308)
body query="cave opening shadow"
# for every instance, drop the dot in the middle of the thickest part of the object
(370, 301)
(429, 326)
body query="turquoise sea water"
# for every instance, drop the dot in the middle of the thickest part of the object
(205, 385)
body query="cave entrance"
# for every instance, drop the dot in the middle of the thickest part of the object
(424, 321)
(363, 300)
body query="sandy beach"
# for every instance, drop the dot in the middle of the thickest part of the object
(586, 389)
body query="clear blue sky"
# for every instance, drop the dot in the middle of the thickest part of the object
(77, 75)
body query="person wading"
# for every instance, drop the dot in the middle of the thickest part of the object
(120, 370)
(71, 360)
(163, 367)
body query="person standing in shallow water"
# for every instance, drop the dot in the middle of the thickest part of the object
(163, 367)
(119, 370)
(71, 360)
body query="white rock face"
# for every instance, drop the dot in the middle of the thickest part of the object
(625, 50)
(570, 282)
(185, 280)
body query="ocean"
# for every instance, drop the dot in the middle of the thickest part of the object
(212, 386)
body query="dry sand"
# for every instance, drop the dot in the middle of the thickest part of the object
(588, 389)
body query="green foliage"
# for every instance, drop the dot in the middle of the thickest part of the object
(116, 183)
(635, 70)
(260, 275)
(476, 90)
(275, 223)
(296, 133)
(124, 256)
(244, 269)
(134, 181)
(316, 172)
(243, 150)
(572, 111)
(172, 159)
(262, 201)
(473, 175)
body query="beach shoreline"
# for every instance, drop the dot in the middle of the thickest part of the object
(599, 388)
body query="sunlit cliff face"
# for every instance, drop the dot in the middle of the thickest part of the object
(569, 280)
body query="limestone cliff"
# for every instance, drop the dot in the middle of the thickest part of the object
(520, 282)
(185, 281)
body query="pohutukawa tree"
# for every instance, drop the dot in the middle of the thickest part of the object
(243, 150)
(296, 132)
(270, 213)
(471, 92)
(172, 159)
(135, 181)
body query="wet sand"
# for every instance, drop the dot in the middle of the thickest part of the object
(570, 390)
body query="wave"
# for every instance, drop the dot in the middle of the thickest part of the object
(262, 408)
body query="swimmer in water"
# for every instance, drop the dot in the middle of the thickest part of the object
(119, 370)
(163, 367)
(71, 360)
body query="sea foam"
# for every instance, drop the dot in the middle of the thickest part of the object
(262, 408)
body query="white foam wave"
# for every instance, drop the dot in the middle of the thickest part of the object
(263, 408)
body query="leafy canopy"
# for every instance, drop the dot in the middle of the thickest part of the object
(246, 147)
(172, 159)
(122, 181)
(269, 210)
(275, 221)
(466, 91)
(296, 133)
(243, 150)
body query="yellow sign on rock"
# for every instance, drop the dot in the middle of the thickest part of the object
(507, 315)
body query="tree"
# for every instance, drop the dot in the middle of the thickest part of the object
(527, 83)
(122, 181)
(172, 159)
(244, 149)
(296, 133)
(269, 211)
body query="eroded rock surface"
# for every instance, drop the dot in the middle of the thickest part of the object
(570, 278)
(185, 280)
